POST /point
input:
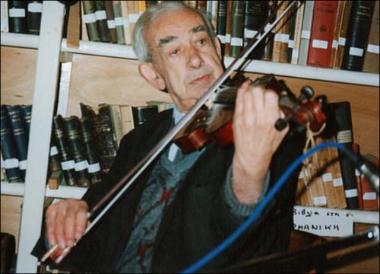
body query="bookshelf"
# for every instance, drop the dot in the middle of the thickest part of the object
(361, 89)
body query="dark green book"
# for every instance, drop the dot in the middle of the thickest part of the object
(67, 160)
(119, 22)
(357, 34)
(17, 16)
(89, 19)
(256, 13)
(26, 112)
(111, 21)
(20, 139)
(91, 154)
(8, 148)
(237, 28)
(34, 17)
(76, 146)
(221, 23)
(101, 21)
(143, 113)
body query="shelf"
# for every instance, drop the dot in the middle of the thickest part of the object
(63, 192)
(255, 66)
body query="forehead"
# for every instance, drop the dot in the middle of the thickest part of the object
(173, 23)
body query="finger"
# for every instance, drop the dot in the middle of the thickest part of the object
(50, 225)
(239, 102)
(70, 221)
(271, 104)
(60, 228)
(81, 224)
(258, 99)
(249, 112)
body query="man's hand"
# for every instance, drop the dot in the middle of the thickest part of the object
(66, 222)
(255, 139)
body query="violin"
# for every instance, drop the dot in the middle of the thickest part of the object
(215, 124)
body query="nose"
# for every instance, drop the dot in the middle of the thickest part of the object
(194, 57)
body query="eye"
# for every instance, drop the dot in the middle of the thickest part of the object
(201, 42)
(174, 52)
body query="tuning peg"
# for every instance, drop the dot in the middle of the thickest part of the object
(307, 92)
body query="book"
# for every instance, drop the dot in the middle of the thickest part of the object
(322, 32)
(256, 13)
(237, 28)
(126, 24)
(19, 136)
(371, 56)
(281, 35)
(143, 113)
(221, 23)
(89, 20)
(357, 35)
(227, 44)
(297, 34)
(4, 26)
(340, 33)
(305, 32)
(268, 41)
(341, 112)
(119, 22)
(55, 173)
(101, 21)
(8, 148)
(111, 21)
(76, 146)
(33, 17)
(67, 161)
(17, 16)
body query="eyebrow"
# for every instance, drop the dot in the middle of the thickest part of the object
(170, 38)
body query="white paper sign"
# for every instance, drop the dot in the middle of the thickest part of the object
(322, 221)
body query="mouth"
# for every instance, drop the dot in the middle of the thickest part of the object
(204, 79)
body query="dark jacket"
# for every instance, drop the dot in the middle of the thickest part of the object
(197, 219)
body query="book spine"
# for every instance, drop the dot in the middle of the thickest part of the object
(281, 36)
(358, 33)
(76, 146)
(89, 18)
(17, 16)
(67, 164)
(34, 17)
(111, 21)
(256, 13)
(268, 41)
(322, 33)
(101, 21)
(342, 113)
(8, 149)
(56, 177)
(4, 25)
(237, 31)
(19, 136)
(94, 168)
(221, 23)
(119, 22)
(371, 58)
(305, 33)
(143, 113)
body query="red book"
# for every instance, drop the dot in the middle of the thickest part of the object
(322, 33)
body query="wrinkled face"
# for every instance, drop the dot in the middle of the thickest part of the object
(184, 55)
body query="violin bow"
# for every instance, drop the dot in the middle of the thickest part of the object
(207, 98)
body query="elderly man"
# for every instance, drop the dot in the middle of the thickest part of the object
(184, 204)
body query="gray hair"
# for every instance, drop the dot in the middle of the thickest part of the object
(140, 46)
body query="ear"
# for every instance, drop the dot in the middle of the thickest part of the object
(150, 74)
(218, 47)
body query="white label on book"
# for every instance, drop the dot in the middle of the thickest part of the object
(350, 193)
(248, 33)
(23, 164)
(342, 41)
(319, 200)
(10, 163)
(305, 34)
(335, 44)
(357, 172)
(323, 221)
(373, 48)
(133, 17)
(267, 27)
(119, 21)
(291, 44)
(81, 165)
(337, 182)
(356, 51)
(100, 15)
(126, 22)
(66, 165)
(281, 37)
(111, 24)
(89, 18)
(369, 196)
(222, 38)
(320, 44)
(14, 12)
(236, 41)
(92, 168)
(344, 136)
(34, 7)
(228, 37)
(327, 177)
(53, 151)
(295, 54)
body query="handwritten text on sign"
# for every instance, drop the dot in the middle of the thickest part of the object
(322, 221)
